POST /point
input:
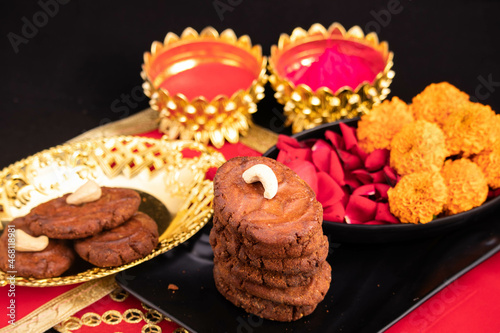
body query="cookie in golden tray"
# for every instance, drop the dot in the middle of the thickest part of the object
(36, 257)
(121, 245)
(60, 220)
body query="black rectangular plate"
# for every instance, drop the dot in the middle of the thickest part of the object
(373, 285)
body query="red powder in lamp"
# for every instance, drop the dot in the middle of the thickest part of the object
(341, 64)
(209, 80)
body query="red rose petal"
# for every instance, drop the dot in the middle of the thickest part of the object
(359, 152)
(493, 193)
(321, 152)
(391, 175)
(349, 134)
(286, 156)
(381, 190)
(308, 143)
(350, 221)
(351, 181)
(285, 141)
(351, 161)
(384, 214)
(378, 176)
(360, 209)
(306, 171)
(365, 190)
(363, 176)
(336, 170)
(345, 198)
(336, 139)
(283, 157)
(334, 213)
(377, 159)
(329, 192)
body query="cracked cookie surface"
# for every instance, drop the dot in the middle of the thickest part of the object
(57, 219)
(225, 247)
(53, 261)
(269, 254)
(260, 306)
(131, 240)
(293, 214)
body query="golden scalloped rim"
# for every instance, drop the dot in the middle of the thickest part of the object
(305, 108)
(223, 117)
(193, 214)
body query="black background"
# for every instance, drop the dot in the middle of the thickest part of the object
(86, 55)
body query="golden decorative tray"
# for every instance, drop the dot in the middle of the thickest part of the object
(169, 175)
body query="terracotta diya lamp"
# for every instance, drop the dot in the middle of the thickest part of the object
(205, 86)
(322, 75)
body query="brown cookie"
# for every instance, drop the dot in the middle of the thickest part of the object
(53, 261)
(259, 306)
(310, 294)
(304, 248)
(225, 248)
(121, 245)
(291, 217)
(254, 275)
(57, 219)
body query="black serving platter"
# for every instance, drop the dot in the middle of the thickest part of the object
(373, 284)
(359, 233)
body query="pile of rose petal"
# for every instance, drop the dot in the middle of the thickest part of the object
(350, 184)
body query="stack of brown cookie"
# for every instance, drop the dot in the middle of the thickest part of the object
(269, 254)
(108, 231)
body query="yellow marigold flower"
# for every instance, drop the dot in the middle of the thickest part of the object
(470, 129)
(418, 197)
(489, 162)
(377, 128)
(419, 146)
(466, 183)
(437, 101)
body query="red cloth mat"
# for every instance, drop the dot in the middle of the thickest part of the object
(26, 300)
(468, 304)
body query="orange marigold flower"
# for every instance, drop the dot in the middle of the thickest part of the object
(419, 146)
(418, 197)
(470, 129)
(437, 101)
(466, 183)
(377, 128)
(489, 162)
